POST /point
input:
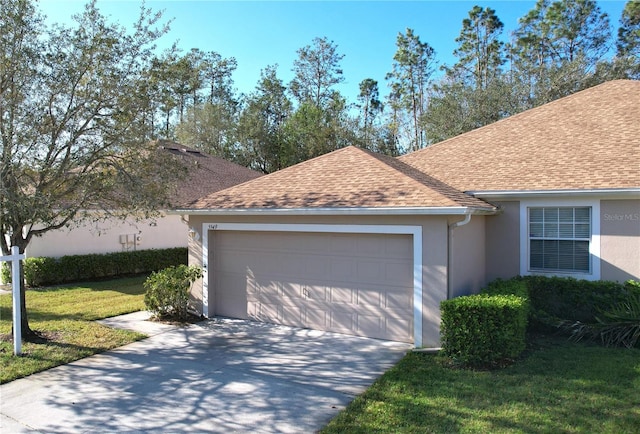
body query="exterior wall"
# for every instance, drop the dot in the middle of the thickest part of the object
(617, 228)
(502, 251)
(105, 237)
(502, 257)
(434, 246)
(467, 257)
(620, 239)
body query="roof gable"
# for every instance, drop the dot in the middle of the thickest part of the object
(347, 178)
(589, 140)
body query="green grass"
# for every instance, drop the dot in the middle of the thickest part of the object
(67, 314)
(559, 387)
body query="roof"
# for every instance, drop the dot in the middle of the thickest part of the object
(347, 178)
(589, 140)
(205, 173)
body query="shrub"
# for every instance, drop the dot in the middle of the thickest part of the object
(167, 291)
(40, 271)
(5, 273)
(617, 326)
(507, 287)
(558, 299)
(483, 330)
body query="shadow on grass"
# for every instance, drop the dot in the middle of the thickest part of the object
(560, 387)
(132, 285)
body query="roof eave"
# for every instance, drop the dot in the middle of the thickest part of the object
(461, 210)
(608, 193)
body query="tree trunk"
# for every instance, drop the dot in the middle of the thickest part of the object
(27, 334)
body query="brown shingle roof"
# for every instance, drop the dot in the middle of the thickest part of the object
(589, 140)
(346, 178)
(205, 173)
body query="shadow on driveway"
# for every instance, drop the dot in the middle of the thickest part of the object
(220, 375)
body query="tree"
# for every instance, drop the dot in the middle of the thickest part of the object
(411, 74)
(371, 106)
(212, 110)
(210, 128)
(71, 135)
(311, 131)
(190, 87)
(320, 123)
(480, 50)
(628, 41)
(261, 125)
(557, 48)
(473, 92)
(455, 108)
(317, 70)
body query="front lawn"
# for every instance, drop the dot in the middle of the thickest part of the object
(66, 315)
(558, 387)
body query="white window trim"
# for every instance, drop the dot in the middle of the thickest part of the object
(414, 231)
(594, 244)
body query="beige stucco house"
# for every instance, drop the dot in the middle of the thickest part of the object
(205, 174)
(364, 244)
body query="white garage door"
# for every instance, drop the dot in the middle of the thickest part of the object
(360, 284)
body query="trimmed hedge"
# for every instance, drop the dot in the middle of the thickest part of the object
(483, 330)
(557, 299)
(73, 268)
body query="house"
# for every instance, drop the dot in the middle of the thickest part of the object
(365, 244)
(205, 174)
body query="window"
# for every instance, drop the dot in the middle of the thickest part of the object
(559, 239)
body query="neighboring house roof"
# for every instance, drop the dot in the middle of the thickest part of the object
(347, 178)
(205, 173)
(589, 140)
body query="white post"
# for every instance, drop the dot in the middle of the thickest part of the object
(15, 258)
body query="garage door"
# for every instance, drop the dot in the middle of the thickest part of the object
(360, 284)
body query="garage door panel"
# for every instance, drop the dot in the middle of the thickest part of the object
(398, 300)
(341, 295)
(372, 326)
(342, 244)
(292, 290)
(372, 246)
(292, 315)
(232, 303)
(316, 318)
(341, 322)
(359, 284)
(369, 297)
(264, 312)
(341, 268)
(399, 326)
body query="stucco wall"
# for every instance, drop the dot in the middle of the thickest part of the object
(620, 240)
(467, 257)
(434, 251)
(502, 251)
(105, 237)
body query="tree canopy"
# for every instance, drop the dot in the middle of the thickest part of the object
(73, 132)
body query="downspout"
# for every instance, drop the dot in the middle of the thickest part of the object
(451, 227)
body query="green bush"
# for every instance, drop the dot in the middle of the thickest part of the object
(483, 330)
(41, 271)
(558, 299)
(617, 326)
(5, 272)
(507, 287)
(167, 291)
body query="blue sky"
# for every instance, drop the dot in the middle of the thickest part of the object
(261, 33)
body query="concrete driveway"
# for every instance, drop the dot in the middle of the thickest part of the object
(221, 375)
